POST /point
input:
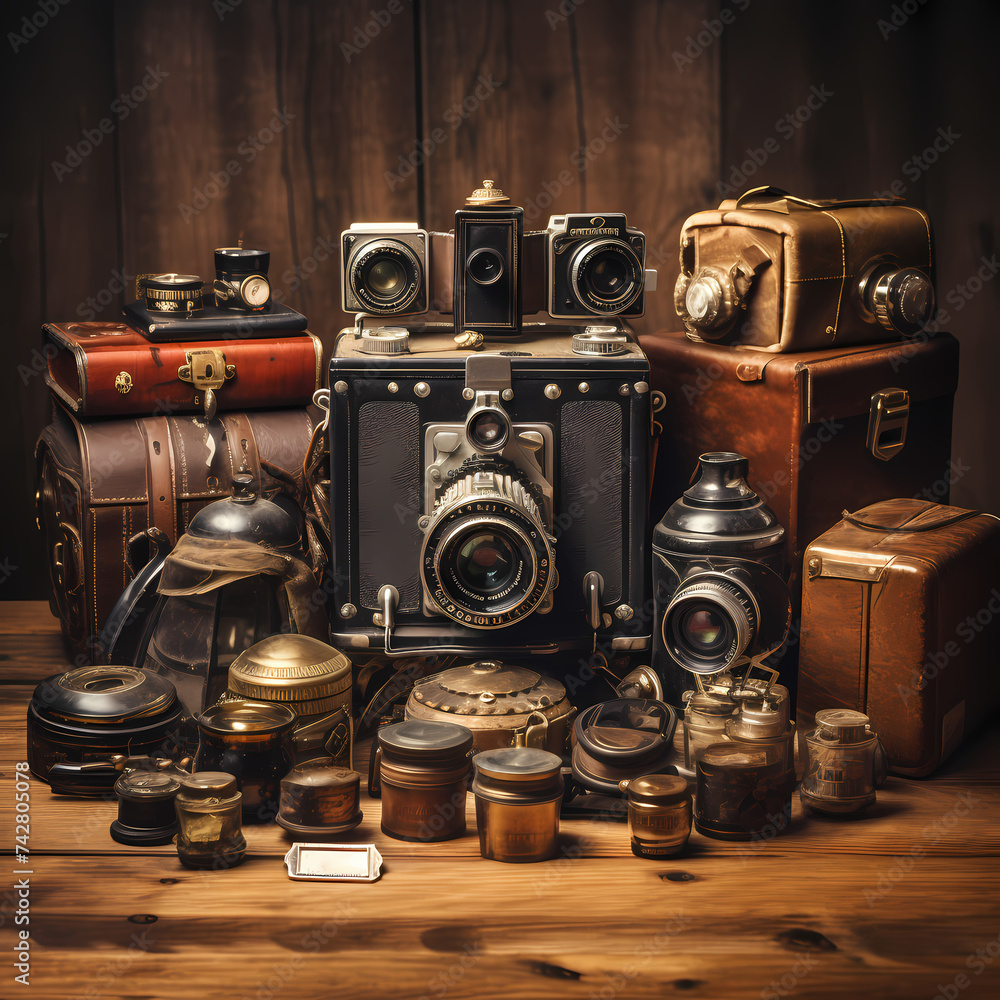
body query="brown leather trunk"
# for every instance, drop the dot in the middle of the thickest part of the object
(803, 420)
(901, 621)
(109, 369)
(101, 482)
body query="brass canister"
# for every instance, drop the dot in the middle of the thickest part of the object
(518, 794)
(659, 814)
(421, 771)
(846, 763)
(310, 677)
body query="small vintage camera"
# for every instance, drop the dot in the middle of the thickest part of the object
(489, 273)
(720, 599)
(780, 273)
(241, 279)
(596, 266)
(489, 502)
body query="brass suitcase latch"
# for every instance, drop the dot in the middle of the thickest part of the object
(206, 369)
(890, 413)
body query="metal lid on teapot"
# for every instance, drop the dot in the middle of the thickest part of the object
(104, 694)
(247, 517)
(247, 719)
(291, 668)
(488, 687)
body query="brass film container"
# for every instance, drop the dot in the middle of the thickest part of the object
(518, 794)
(422, 772)
(659, 814)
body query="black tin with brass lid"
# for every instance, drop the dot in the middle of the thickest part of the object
(251, 740)
(88, 714)
(421, 771)
(310, 677)
(146, 812)
(518, 794)
(319, 798)
(659, 814)
(210, 833)
(178, 294)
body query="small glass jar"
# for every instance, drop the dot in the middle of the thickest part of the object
(421, 771)
(742, 791)
(763, 723)
(659, 814)
(251, 740)
(705, 723)
(846, 763)
(518, 794)
(208, 813)
(146, 812)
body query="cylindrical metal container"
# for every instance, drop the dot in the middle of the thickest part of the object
(659, 814)
(146, 813)
(742, 789)
(705, 720)
(208, 813)
(846, 763)
(518, 794)
(762, 723)
(310, 677)
(251, 740)
(421, 770)
(318, 798)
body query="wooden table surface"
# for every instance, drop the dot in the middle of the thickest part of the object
(902, 903)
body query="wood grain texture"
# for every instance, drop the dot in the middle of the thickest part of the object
(572, 113)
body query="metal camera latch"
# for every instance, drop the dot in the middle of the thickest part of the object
(206, 369)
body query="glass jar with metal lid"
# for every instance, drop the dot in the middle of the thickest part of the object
(421, 771)
(502, 704)
(705, 718)
(310, 677)
(80, 719)
(659, 814)
(518, 794)
(208, 814)
(846, 763)
(251, 740)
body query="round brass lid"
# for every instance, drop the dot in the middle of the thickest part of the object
(417, 736)
(661, 789)
(207, 785)
(318, 775)
(487, 195)
(488, 687)
(249, 718)
(517, 763)
(105, 694)
(843, 724)
(290, 667)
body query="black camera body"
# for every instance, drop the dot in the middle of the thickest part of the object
(490, 502)
(718, 563)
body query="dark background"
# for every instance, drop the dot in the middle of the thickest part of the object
(593, 105)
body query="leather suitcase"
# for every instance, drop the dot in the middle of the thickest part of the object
(791, 274)
(901, 621)
(803, 421)
(109, 369)
(101, 482)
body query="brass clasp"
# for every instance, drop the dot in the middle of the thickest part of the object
(206, 369)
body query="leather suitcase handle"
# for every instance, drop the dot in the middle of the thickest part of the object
(768, 190)
(160, 476)
(907, 528)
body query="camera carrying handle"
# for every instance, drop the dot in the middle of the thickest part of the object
(769, 193)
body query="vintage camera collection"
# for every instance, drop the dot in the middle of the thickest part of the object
(480, 548)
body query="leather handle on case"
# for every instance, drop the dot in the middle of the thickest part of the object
(943, 522)
(769, 190)
(160, 476)
(243, 455)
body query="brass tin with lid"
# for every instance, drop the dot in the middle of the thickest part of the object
(320, 798)
(502, 704)
(208, 813)
(250, 740)
(659, 814)
(310, 677)
(421, 771)
(518, 794)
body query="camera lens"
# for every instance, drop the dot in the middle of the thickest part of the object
(488, 430)
(485, 266)
(385, 276)
(606, 276)
(709, 623)
(486, 560)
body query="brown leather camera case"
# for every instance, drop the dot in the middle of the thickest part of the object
(803, 421)
(901, 621)
(806, 297)
(101, 482)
